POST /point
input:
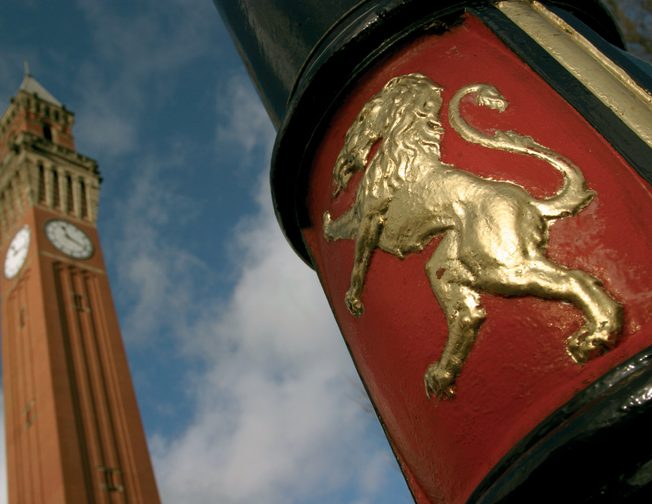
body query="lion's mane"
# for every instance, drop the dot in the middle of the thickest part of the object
(391, 120)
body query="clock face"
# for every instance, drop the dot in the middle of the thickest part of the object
(69, 239)
(17, 252)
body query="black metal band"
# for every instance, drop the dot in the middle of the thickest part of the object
(596, 448)
(635, 151)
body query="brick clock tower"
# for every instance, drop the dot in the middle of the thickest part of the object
(73, 429)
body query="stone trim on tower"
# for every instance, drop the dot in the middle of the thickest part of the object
(36, 137)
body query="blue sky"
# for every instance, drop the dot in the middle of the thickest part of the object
(245, 386)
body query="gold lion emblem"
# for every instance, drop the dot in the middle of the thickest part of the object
(495, 232)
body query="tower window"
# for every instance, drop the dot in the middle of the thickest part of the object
(111, 476)
(83, 203)
(3, 212)
(70, 203)
(29, 413)
(55, 189)
(10, 203)
(78, 301)
(41, 183)
(47, 132)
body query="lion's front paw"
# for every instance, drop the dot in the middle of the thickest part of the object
(353, 303)
(439, 382)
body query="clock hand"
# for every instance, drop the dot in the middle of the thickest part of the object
(13, 249)
(70, 238)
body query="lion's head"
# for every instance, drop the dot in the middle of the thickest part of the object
(403, 115)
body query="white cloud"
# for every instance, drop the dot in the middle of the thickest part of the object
(104, 129)
(155, 271)
(275, 421)
(272, 419)
(241, 119)
(139, 57)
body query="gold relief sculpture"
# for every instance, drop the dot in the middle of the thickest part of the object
(494, 232)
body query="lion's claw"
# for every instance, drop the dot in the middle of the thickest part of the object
(439, 382)
(585, 345)
(354, 304)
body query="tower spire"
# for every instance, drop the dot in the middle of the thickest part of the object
(32, 86)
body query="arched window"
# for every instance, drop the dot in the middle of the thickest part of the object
(83, 202)
(47, 132)
(55, 189)
(70, 202)
(41, 183)
(11, 208)
(3, 213)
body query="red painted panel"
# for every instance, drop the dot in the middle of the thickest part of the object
(518, 371)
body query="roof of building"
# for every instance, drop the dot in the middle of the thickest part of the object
(32, 86)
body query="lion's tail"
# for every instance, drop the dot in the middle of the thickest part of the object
(571, 197)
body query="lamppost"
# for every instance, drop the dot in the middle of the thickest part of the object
(471, 182)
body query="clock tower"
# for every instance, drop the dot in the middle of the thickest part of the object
(73, 429)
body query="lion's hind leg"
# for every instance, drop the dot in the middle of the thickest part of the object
(602, 314)
(604, 318)
(451, 283)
